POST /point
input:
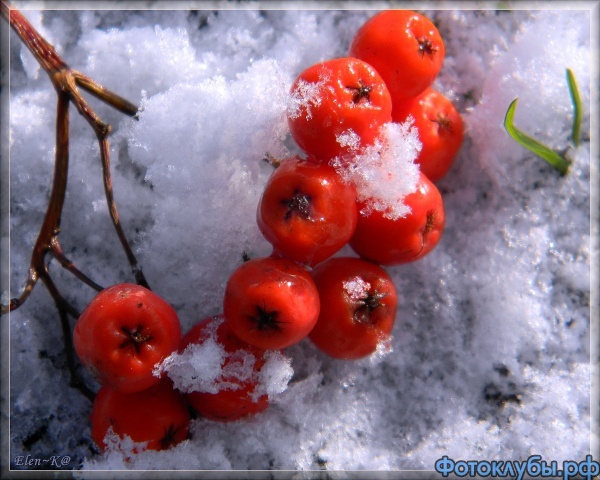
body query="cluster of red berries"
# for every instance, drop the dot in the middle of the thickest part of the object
(309, 212)
(345, 305)
(120, 336)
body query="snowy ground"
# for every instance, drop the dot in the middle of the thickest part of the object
(494, 356)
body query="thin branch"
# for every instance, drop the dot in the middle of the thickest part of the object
(15, 303)
(56, 251)
(64, 309)
(114, 214)
(104, 94)
(65, 81)
(42, 50)
(51, 224)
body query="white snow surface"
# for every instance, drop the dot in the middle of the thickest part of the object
(492, 357)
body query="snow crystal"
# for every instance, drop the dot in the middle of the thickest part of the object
(197, 368)
(274, 375)
(385, 172)
(356, 288)
(305, 96)
(207, 367)
(349, 139)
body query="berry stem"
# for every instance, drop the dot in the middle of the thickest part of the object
(66, 82)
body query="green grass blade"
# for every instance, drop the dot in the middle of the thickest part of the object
(531, 144)
(577, 107)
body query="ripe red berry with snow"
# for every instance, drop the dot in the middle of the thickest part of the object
(237, 393)
(392, 241)
(440, 131)
(337, 106)
(307, 212)
(158, 417)
(358, 309)
(123, 333)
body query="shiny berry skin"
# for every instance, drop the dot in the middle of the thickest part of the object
(306, 211)
(123, 333)
(406, 239)
(158, 416)
(335, 98)
(271, 303)
(440, 129)
(404, 47)
(358, 307)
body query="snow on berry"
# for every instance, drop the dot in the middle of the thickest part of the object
(197, 368)
(385, 172)
(356, 288)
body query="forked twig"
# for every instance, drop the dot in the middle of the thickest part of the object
(66, 82)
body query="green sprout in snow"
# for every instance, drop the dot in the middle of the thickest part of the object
(557, 160)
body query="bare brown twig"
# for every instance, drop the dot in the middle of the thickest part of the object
(66, 82)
